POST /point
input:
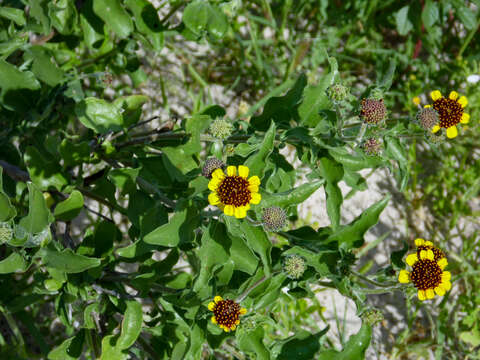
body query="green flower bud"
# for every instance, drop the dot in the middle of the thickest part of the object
(428, 118)
(212, 164)
(294, 266)
(274, 218)
(372, 146)
(337, 92)
(372, 316)
(6, 233)
(373, 111)
(221, 128)
(377, 94)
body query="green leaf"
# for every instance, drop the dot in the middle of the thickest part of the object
(61, 351)
(217, 24)
(404, 25)
(471, 337)
(7, 210)
(395, 150)
(293, 197)
(69, 209)
(179, 229)
(16, 15)
(301, 346)
(357, 161)
(147, 21)
(255, 238)
(13, 83)
(99, 115)
(256, 162)
(91, 25)
(430, 13)
(249, 341)
(131, 108)
(195, 126)
(13, 263)
(195, 16)
(45, 173)
(131, 325)
(281, 109)
(43, 67)
(355, 347)
(74, 153)
(63, 16)
(124, 179)
(115, 16)
(351, 235)
(242, 256)
(110, 350)
(67, 261)
(332, 171)
(467, 17)
(39, 217)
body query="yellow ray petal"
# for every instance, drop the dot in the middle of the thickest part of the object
(237, 322)
(435, 95)
(430, 255)
(253, 188)
(442, 263)
(463, 101)
(211, 305)
(213, 199)
(452, 132)
(435, 128)
(218, 174)
(217, 299)
(423, 254)
(439, 291)
(214, 321)
(214, 183)
(428, 243)
(243, 171)
(240, 212)
(231, 170)
(427, 106)
(416, 100)
(446, 285)
(419, 242)
(453, 95)
(421, 295)
(226, 329)
(429, 294)
(256, 197)
(229, 210)
(233, 327)
(243, 311)
(254, 180)
(465, 118)
(446, 276)
(403, 277)
(411, 259)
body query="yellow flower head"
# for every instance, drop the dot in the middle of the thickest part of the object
(427, 273)
(226, 313)
(234, 193)
(450, 112)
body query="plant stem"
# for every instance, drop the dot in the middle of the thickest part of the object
(373, 282)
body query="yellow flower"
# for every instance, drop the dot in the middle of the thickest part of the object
(416, 100)
(450, 112)
(427, 273)
(226, 313)
(234, 193)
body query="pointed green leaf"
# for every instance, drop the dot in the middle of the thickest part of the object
(69, 209)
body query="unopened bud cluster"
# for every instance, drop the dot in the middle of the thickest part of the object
(274, 218)
(373, 111)
(372, 146)
(6, 233)
(221, 128)
(294, 266)
(372, 316)
(337, 92)
(428, 118)
(212, 164)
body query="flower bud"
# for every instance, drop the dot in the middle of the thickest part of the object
(373, 111)
(372, 146)
(428, 118)
(221, 128)
(372, 316)
(294, 266)
(337, 92)
(274, 218)
(376, 94)
(6, 233)
(212, 164)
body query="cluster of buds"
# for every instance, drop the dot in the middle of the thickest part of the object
(427, 118)
(372, 316)
(274, 218)
(221, 128)
(337, 92)
(6, 233)
(294, 266)
(372, 146)
(373, 111)
(212, 164)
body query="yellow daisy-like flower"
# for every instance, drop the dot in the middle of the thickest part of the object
(416, 100)
(427, 273)
(234, 193)
(450, 112)
(226, 313)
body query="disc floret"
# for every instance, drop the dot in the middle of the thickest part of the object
(226, 313)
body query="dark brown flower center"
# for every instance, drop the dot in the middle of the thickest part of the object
(426, 274)
(449, 112)
(437, 253)
(226, 312)
(234, 191)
